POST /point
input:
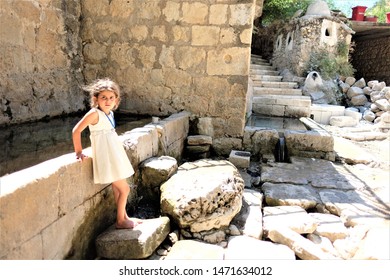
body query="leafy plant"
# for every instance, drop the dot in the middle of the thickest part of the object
(331, 65)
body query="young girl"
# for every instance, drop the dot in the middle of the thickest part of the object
(110, 162)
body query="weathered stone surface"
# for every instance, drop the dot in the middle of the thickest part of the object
(240, 159)
(342, 121)
(199, 140)
(324, 243)
(155, 171)
(383, 104)
(350, 152)
(195, 250)
(329, 226)
(350, 80)
(260, 140)
(203, 195)
(40, 69)
(359, 100)
(137, 243)
(375, 245)
(303, 248)
(250, 218)
(308, 141)
(256, 250)
(304, 196)
(354, 91)
(293, 217)
(352, 207)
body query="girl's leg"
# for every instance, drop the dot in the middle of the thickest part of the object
(121, 191)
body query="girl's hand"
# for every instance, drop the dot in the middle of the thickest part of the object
(80, 156)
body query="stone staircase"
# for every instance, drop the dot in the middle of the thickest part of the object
(271, 96)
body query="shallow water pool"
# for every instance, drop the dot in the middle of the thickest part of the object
(28, 144)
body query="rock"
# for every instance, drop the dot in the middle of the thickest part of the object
(256, 250)
(360, 99)
(383, 104)
(379, 86)
(195, 140)
(350, 152)
(367, 90)
(360, 83)
(369, 116)
(289, 194)
(203, 195)
(234, 231)
(293, 217)
(344, 87)
(250, 218)
(312, 140)
(324, 243)
(376, 95)
(329, 226)
(155, 171)
(303, 248)
(350, 80)
(385, 117)
(342, 121)
(137, 243)
(240, 159)
(386, 92)
(368, 248)
(195, 250)
(372, 83)
(354, 113)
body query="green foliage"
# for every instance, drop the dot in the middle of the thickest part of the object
(275, 10)
(380, 9)
(331, 65)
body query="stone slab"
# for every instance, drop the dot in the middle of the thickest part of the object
(137, 243)
(195, 250)
(256, 250)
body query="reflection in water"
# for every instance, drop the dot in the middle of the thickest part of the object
(28, 144)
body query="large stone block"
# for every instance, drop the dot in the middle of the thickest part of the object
(137, 243)
(228, 61)
(311, 140)
(155, 171)
(203, 195)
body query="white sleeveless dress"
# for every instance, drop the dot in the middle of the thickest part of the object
(109, 159)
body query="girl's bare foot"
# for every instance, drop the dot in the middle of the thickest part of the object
(136, 220)
(126, 224)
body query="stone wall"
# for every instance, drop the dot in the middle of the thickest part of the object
(371, 58)
(296, 41)
(54, 211)
(40, 65)
(170, 55)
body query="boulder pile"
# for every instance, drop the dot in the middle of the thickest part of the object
(371, 99)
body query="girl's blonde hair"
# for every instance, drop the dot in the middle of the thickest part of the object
(101, 85)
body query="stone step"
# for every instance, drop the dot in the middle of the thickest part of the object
(263, 72)
(281, 106)
(259, 62)
(257, 58)
(137, 243)
(266, 78)
(257, 91)
(264, 66)
(272, 84)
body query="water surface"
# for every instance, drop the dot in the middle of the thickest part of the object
(28, 144)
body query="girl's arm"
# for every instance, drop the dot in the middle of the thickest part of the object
(91, 117)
